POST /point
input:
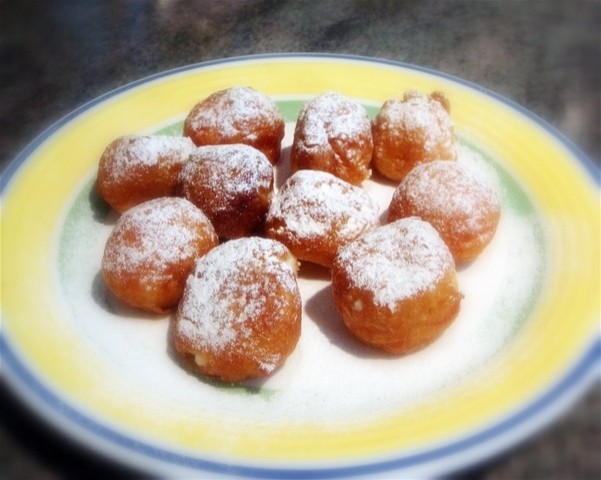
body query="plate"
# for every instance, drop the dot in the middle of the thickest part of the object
(525, 345)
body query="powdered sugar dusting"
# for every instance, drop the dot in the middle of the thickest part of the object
(423, 118)
(312, 202)
(131, 153)
(448, 189)
(232, 111)
(226, 291)
(330, 115)
(397, 261)
(234, 170)
(152, 237)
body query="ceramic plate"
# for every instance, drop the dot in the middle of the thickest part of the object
(525, 345)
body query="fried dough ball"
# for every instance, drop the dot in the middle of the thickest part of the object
(240, 316)
(461, 207)
(406, 132)
(315, 213)
(151, 251)
(396, 286)
(134, 169)
(333, 134)
(237, 115)
(231, 184)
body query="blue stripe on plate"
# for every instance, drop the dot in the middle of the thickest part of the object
(589, 361)
(579, 373)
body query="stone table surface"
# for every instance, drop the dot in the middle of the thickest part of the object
(545, 55)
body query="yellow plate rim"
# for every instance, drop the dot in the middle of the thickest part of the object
(575, 378)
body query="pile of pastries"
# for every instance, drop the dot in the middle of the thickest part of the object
(203, 231)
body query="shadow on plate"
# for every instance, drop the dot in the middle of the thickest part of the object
(108, 302)
(102, 211)
(320, 309)
(312, 271)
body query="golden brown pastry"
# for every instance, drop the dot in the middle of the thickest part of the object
(137, 168)
(240, 316)
(151, 251)
(413, 130)
(315, 213)
(231, 184)
(460, 206)
(333, 134)
(396, 286)
(237, 115)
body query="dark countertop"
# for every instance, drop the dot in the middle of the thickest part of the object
(545, 55)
